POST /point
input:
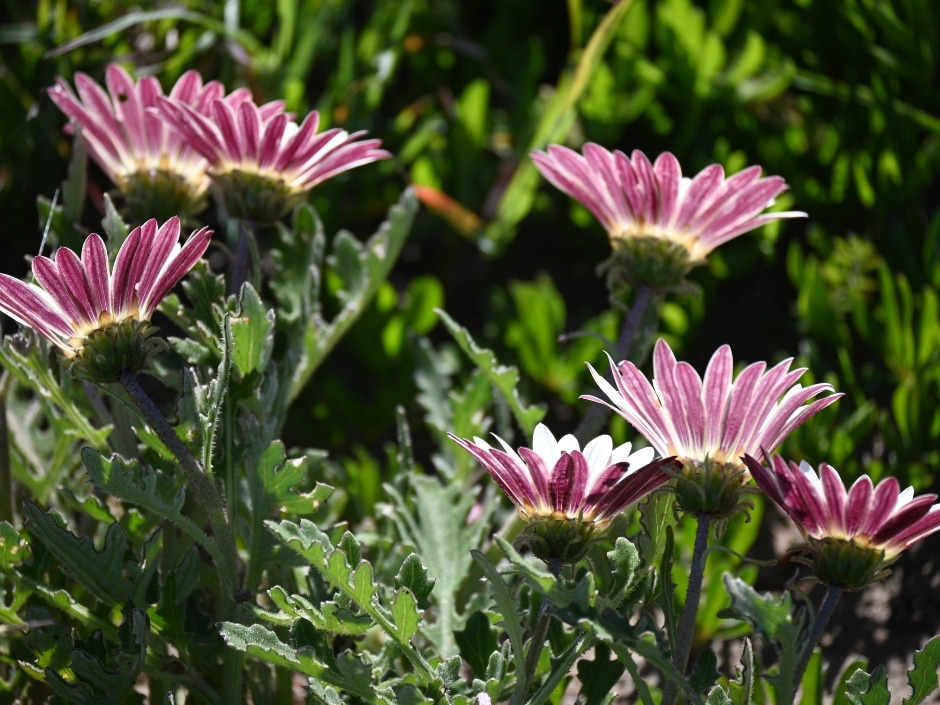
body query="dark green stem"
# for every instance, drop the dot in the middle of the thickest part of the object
(633, 329)
(542, 622)
(208, 496)
(206, 493)
(686, 631)
(826, 609)
(6, 471)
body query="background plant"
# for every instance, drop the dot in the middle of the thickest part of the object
(839, 97)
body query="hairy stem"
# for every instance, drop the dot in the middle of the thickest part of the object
(542, 622)
(630, 341)
(686, 631)
(205, 491)
(826, 609)
(224, 537)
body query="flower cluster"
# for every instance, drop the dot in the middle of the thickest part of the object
(162, 152)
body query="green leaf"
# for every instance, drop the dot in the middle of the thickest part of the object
(507, 606)
(776, 619)
(717, 696)
(13, 548)
(139, 486)
(414, 576)
(32, 370)
(599, 676)
(505, 379)
(348, 672)
(101, 572)
(434, 521)
(742, 688)
(923, 676)
(329, 617)
(624, 560)
(252, 330)
(477, 641)
(864, 689)
(102, 680)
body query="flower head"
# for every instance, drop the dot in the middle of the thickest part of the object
(574, 493)
(651, 212)
(854, 534)
(149, 162)
(262, 160)
(79, 299)
(710, 424)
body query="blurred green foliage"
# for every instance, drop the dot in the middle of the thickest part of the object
(839, 97)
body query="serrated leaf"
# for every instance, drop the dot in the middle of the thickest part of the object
(252, 330)
(507, 606)
(33, 371)
(102, 680)
(717, 696)
(742, 689)
(101, 572)
(414, 576)
(347, 673)
(922, 677)
(775, 618)
(864, 689)
(624, 561)
(329, 617)
(405, 613)
(139, 486)
(50, 642)
(504, 378)
(435, 523)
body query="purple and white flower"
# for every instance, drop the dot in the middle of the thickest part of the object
(632, 198)
(124, 133)
(557, 480)
(78, 295)
(266, 143)
(881, 517)
(718, 418)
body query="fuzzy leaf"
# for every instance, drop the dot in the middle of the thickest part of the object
(139, 486)
(717, 696)
(864, 689)
(329, 617)
(101, 572)
(624, 561)
(103, 680)
(252, 331)
(507, 606)
(504, 378)
(348, 672)
(437, 527)
(773, 617)
(742, 689)
(13, 549)
(414, 576)
(406, 614)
